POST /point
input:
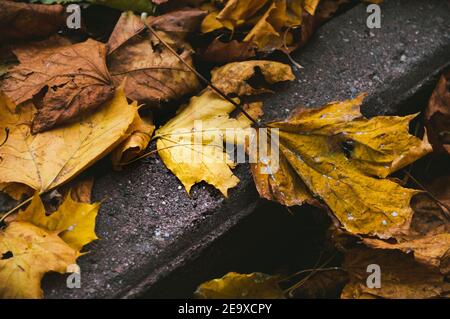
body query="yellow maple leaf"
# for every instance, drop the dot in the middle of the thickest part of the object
(195, 153)
(28, 253)
(334, 154)
(73, 221)
(34, 244)
(46, 160)
(241, 286)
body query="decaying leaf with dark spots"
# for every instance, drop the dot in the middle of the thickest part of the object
(64, 82)
(20, 21)
(334, 154)
(437, 116)
(153, 74)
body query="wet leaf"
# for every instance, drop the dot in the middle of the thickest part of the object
(241, 286)
(428, 238)
(34, 244)
(335, 155)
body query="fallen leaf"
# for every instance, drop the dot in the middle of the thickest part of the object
(47, 160)
(429, 235)
(225, 52)
(28, 253)
(271, 22)
(191, 143)
(235, 77)
(153, 73)
(20, 21)
(401, 276)
(65, 82)
(73, 221)
(437, 116)
(34, 244)
(241, 286)
(334, 154)
(141, 133)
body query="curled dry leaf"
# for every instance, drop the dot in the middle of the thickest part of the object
(401, 276)
(429, 235)
(234, 77)
(241, 286)
(153, 74)
(34, 244)
(334, 154)
(65, 82)
(191, 144)
(141, 133)
(272, 22)
(47, 160)
(20, 21)
(437, 116)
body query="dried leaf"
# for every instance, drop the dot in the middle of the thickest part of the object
(234, 77)
(20, 21)
(65, 82)
(142, 130)
(272, 22)
(47, 160)
(34, 244)
(153, 74)
(335, 154)
(225, 52)
(191, 144)
(241, 286)
(401, 276)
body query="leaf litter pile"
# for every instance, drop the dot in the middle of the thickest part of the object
(71, 97)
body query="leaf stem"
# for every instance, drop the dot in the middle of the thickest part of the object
(200, 76)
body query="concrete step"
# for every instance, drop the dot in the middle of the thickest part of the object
(150, 230)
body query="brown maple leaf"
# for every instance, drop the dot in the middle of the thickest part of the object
(63, 81)
(153, 74)
(19, 21)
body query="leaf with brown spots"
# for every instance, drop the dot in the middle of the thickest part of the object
(64, 82)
